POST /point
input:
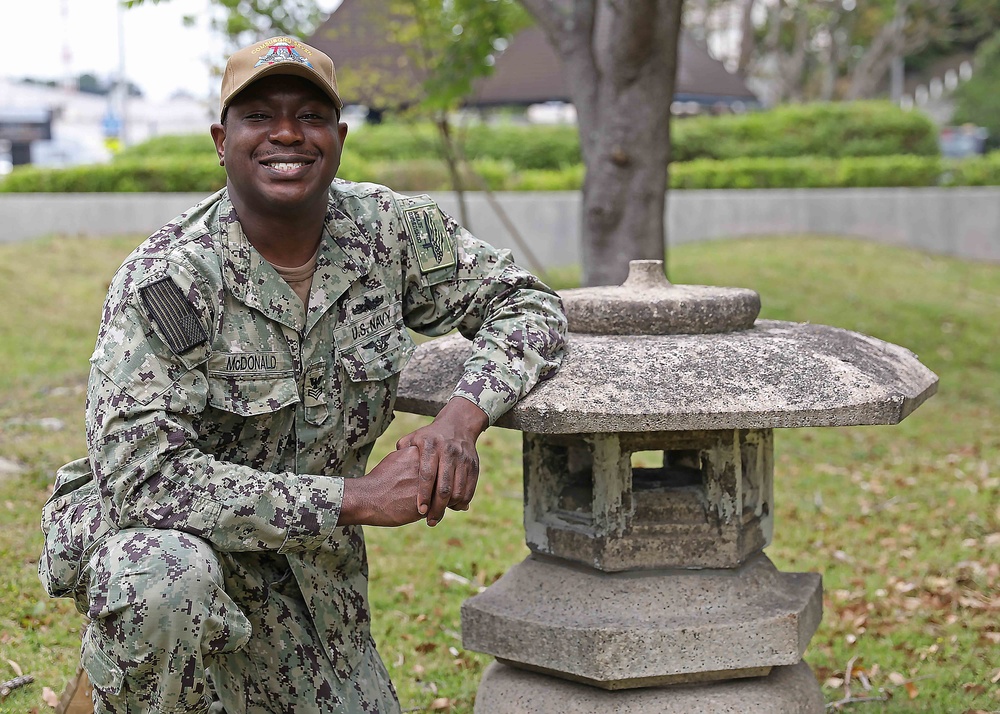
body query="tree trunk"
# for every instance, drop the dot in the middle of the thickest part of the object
(620, 58)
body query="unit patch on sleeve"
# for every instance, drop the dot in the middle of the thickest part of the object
(429, 237)
(174, 315)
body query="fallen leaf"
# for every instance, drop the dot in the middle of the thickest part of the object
(50, 697)
(426, 647)
(834, 683)
(911, 690)
(16, 667)
(897, 679)
(441, 703)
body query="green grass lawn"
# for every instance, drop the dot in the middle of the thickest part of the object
(903, 522)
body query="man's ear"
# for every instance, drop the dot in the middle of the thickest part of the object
(219, 137)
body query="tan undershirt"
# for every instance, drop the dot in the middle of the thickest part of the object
(300, 278)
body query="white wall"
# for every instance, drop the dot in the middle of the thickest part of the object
(963, 222)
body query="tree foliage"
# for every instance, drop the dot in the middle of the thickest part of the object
(244, 21)
(838, 49)
(977, 101)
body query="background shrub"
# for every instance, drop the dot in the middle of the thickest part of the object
(806, 146)
(168, 175)
(810, 172)
(973, 171)
(833, 129)
(176, 146)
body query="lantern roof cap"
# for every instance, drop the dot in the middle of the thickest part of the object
(648, 304)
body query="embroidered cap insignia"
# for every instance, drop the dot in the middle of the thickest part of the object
(282, 52)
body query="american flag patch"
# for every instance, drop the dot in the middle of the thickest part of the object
(174, 315)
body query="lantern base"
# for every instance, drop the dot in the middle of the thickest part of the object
(790, 689)
(645, 628)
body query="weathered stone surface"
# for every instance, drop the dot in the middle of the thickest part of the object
(778, 374)
(634, 629)
(708, 506)
(648, 304)
(786, 690)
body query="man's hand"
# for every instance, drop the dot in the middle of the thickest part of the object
(449, 464)
(386, 495)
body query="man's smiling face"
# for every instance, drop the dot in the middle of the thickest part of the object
(281, 145)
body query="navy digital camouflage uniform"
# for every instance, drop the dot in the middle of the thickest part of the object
(221, 418)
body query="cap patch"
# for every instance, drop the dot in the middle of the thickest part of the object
(174, 315)
(429, 237)
(282, 52)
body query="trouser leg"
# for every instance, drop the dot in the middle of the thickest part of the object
(158, 610)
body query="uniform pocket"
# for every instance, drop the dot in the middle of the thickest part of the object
(251, 397)
(72, 523)
(253, 417)
(104, 674)
(378, 356)
(372, 366)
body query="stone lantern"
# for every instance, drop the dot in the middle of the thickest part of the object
(647, 588)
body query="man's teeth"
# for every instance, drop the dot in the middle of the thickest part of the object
(287, 165)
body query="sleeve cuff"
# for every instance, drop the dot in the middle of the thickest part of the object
(315, 514)
(488, 392)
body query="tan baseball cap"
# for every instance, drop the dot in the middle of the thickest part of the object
(278, 55)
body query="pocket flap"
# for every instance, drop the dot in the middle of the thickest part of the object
(250, 397)
(378, 356)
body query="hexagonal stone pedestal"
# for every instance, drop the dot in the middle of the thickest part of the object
(786, 690)
(646, 628)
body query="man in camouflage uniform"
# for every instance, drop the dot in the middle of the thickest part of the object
(213, 536)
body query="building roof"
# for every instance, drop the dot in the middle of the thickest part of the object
(530, 72)
(374, 70)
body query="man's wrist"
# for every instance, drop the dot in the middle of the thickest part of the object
(353, 504)
(464, 415)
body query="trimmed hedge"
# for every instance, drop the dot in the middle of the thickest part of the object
(808, 172)
(174, 146)
(527, 147)
(419, 175)
(838, 130)
(802, 146)
(152, 175)
(195, 174)
(974, 171)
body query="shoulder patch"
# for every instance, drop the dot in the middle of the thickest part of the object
(430, 239)
(173, 314)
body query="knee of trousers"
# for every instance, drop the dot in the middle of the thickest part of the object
(162, 590)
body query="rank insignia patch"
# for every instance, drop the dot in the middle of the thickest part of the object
(429, 237)
(174, 315)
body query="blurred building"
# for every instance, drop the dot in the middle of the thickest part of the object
(83, 128)
(377, 72)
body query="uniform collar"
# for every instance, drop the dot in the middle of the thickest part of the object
(345, 255)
